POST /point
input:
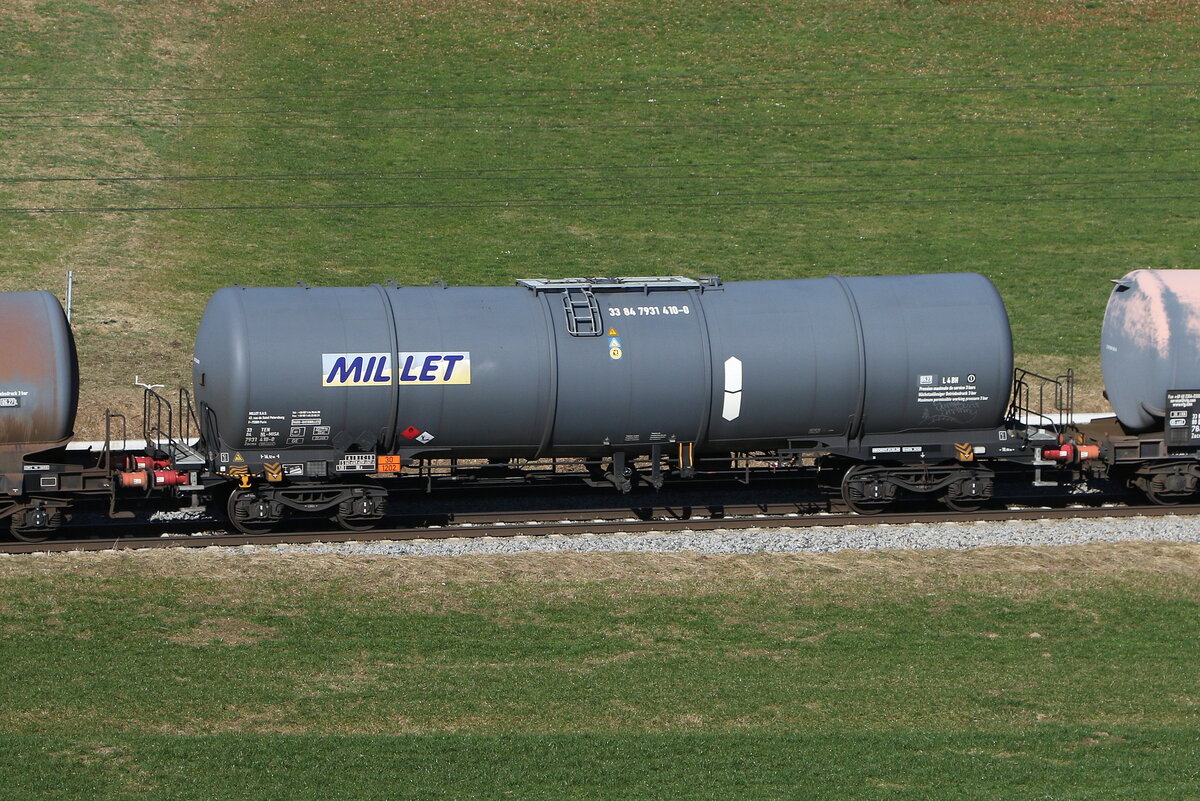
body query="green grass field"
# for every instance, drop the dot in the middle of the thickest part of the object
(1000, 673)
(165, 151)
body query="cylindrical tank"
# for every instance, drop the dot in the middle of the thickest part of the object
(39, 372)
(1150, 343)
(580, 367)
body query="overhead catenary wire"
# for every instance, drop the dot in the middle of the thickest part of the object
(719, 198)
(461, 172)
(616, 85)
(335, 127)
(652, 103)
(543, 174)
(643, 173)
(663, 92)
(664, 204)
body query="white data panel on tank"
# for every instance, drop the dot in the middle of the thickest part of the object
(732, 408)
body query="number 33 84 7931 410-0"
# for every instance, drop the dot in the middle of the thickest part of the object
(646, 311)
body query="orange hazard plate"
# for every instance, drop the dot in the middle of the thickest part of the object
(388, 464)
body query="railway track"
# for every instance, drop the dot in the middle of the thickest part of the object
(567, 522)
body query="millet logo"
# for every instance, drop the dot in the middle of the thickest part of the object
(424, 368)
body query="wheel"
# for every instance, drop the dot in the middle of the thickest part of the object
(1166, 498)
(865, 508)
(30, 534)
(866, 490)
(353, 523)
(358, 514)
(250, 514)
(1166, 488)
(967, 494)
(962, 504)
(35, 524)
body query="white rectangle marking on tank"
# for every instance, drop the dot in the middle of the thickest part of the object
(733, 406)
(733, 374)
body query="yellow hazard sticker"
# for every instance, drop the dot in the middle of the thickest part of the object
(964, 451)
(612, 332)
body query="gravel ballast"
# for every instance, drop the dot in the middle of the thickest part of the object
(920, 536)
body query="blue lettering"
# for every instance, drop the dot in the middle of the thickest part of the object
(342, 373)
(373, 374)
(406, 373)
(451, 361)
(430, 367)
(379, 377)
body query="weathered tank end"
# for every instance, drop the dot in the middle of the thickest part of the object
(39, 370)
(1150, 343)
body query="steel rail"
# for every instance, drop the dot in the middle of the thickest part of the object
(549, 523)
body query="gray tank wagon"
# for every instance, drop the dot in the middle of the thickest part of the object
(1150, 343)
(42, 482)
(1150, 356)
(303, 384)
(39, 374)
(39, 394)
